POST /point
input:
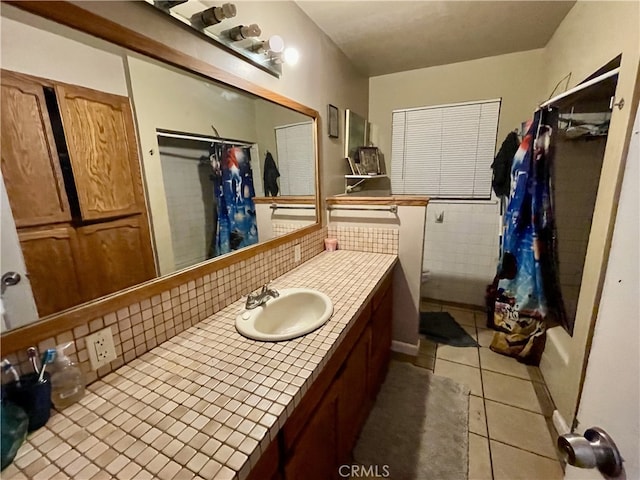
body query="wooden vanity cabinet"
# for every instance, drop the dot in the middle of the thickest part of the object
(316, 452)
(320, 434)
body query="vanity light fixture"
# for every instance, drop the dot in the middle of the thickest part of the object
(274, 44)
(242, 32)
(168, 5)
(291, 56)
(212, 16)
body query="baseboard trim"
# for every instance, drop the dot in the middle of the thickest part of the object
(406, 348)
(447, 303)
(559, 423)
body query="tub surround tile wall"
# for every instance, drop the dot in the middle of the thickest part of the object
(206, 402)
(145, 324)
(461, 253)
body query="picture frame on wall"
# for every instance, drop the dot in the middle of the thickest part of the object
(352, 166)
(332, 122)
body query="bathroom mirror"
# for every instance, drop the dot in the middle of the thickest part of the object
(188, 128)
(355, 128)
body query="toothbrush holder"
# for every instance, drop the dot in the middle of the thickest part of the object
(34, 397)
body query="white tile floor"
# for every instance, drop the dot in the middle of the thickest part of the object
(509, 406)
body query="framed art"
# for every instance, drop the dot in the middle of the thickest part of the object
(333, 121)
(369, 160)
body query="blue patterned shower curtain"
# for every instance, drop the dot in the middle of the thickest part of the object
(236, 212)
(528, 294)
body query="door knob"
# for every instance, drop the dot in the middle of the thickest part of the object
(9, 279)
(594, 449)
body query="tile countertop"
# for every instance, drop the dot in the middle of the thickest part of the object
(205, 403)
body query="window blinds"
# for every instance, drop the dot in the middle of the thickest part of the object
(295, 158)
(444, 151)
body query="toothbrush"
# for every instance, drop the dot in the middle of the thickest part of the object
(32, 353)
(47, 358)
(11, 370)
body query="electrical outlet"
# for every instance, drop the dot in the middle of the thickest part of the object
(101, 348)
(297, 255)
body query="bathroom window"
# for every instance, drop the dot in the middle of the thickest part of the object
(444, 151)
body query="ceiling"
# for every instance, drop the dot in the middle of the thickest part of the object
(382, 37)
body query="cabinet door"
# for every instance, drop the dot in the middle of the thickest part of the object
(315, 456)
(52, 262)
(30, 164)
(103, 152)
(115, 255)
(353, 406)
(381, 322)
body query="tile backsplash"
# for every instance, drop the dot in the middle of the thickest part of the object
(365, 239)
(150, 321)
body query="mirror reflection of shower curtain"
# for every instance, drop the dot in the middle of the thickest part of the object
(233, 188)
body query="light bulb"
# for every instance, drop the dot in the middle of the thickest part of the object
(242, 32)
(274, 44)
(213, 15)
(291, 56)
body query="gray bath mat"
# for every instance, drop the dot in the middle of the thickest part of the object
(441, 327)
(418, 427)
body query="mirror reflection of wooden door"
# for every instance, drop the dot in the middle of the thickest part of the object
(19, 307)
(29, 159)
(51, 258)
(102, 149)
(70, 162)
(119, 250)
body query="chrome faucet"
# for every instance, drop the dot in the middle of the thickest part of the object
(257, 299)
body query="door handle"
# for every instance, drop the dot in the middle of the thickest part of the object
(9, 279)
(594, 449)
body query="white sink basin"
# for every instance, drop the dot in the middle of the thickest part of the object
(296, 312)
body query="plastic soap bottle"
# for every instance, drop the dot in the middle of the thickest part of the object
(67, 381)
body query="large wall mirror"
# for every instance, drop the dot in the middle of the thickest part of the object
(118, 168)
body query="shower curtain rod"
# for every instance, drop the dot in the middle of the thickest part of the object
(201, 138)
(580, 87)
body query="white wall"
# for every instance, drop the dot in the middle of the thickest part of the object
(25, 48)
(462, 260)
(517, 78)
(166, 98)
(323, 75)
(461, 253)
(409, 221)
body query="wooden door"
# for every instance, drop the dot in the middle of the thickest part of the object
(53, 266)
(315, 456)
(30, 164)
(103, 152)
(353, 405)
(115, 255)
